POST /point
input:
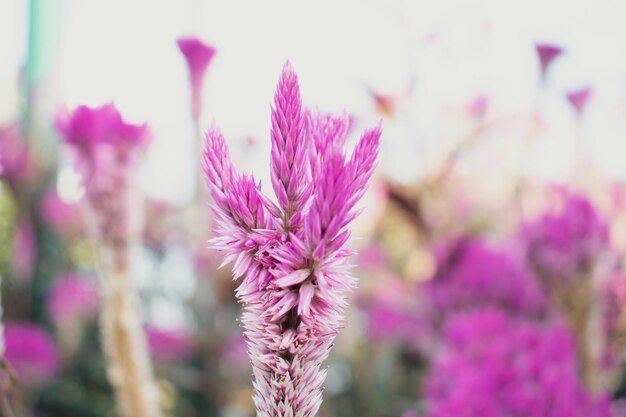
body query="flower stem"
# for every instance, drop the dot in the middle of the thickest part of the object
(128, 365)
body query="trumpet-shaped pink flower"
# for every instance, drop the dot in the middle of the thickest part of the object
(578, 99)
(198, 56)
(547, 53)
(291, 255)
(106, 149)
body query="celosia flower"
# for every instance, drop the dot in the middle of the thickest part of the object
(578, 99)
(565, 241)
(291, 256)
(89, 129)
(472, 275)
(31, 352)
(198, 56)
(547, 53)
(72, 296)
(169, 345)
(106, 150)
(490, 365)
(373, 257)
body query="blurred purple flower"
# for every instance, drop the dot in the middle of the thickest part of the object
(491, 365)
(31, 352)
(291, 255)
(547, 53)
(89, 128)
(72, 296)
(567, 239)
(578, 99)
(472, 275)
(106, 149)
(198, 56)
(169, 345)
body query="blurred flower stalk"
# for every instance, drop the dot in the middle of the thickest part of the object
(106, 151)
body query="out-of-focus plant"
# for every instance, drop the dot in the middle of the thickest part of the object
(106, 151)
(493, 364)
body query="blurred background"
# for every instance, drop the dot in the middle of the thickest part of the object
(492, 241)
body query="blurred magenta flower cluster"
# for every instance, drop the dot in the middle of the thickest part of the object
(491, 364)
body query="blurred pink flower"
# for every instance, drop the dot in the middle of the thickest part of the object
(477, 107)
(235, 350)
(473, 274)
(566, 241)
(169, 345)
(547, 53)
(87, 129)
(493, 365)
(198, 56)
(387, 322)
(106, 149)
(372, 257)
(578, 99)
(31, 352)
(61, 216)
(72, 296)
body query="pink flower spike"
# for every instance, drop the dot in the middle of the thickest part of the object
(198, 56)
(293, 278)
(288, 159)
(290, 257)
(547, 53)
(578, 99)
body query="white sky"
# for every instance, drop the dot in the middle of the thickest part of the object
(125, 51)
